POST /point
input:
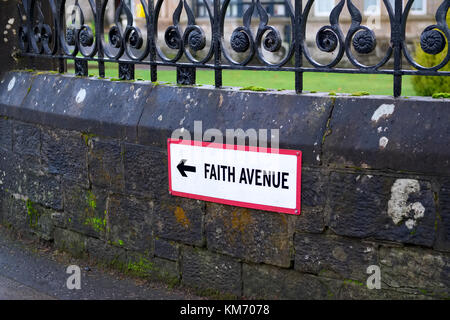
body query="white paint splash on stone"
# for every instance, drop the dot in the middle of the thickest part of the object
(11, 83)
(160, 117)
(81, 95)
(410, 223)
(383, 142)
(11, 21)
(383, 111)
(419, 210)
(136, 94)
(398, 207)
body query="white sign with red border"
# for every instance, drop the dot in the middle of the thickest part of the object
(251, 177)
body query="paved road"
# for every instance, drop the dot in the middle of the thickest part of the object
(34, 274)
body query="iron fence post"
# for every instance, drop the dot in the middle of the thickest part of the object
(397, 43)
(98, 36)
(151, 37)
(216, 42)
(298, 46)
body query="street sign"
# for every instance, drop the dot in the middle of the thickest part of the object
(251, 177)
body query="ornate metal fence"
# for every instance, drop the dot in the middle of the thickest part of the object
(125, 44)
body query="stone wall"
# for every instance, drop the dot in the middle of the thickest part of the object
(83, 164)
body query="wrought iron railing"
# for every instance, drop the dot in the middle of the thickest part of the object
(124, 43)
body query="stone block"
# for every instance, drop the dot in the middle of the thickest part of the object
(105, 164)
(334, 257)
(166, 249)
(389, 134)
(315, 183)
(165, 270)
(27, 139)
(267, 282)
(129, 221)
(27, 216)
(145, 170)
(106, 253)
(416, 270)
(180, 219)
(14, 212)
(70, 241)
(256, 236)
(210, 271)
(65, 153)
(301, 122)
(40, 220)
(84, 210)
(381, 207)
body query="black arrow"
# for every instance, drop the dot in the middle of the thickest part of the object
(182, 168)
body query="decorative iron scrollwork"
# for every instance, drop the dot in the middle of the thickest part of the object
(134, 37)
(432, 41)
(81, 67)
(172, 37)
(186, 75)
(115, 38)
(196, 40)
(126, 71)
(326, 39)
(240, 41)
(86, 36)
(272, 41)
(364, 41)
(71, 36)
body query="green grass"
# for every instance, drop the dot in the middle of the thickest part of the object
(378, 84)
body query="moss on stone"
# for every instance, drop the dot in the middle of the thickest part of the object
(441, 95)
(360, 93)
(355, 282)
(86, 136)
(33, 214)
(253, 88)
(141, 268)
(91, 200)
(97, 224)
